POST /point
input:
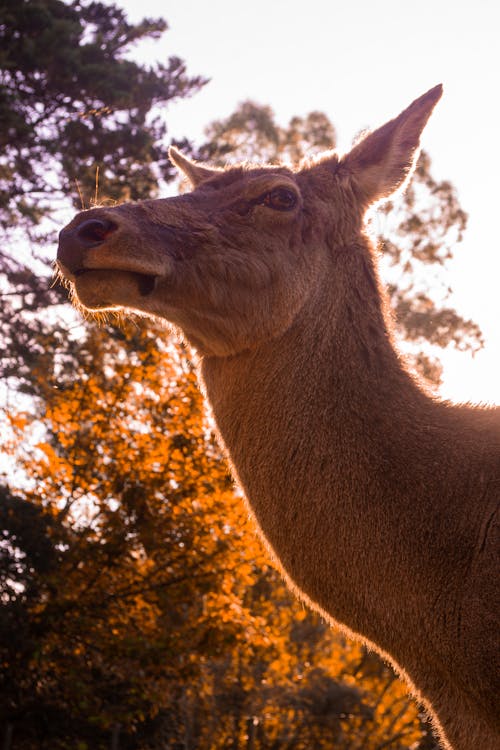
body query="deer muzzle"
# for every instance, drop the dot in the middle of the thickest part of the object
(75, 241)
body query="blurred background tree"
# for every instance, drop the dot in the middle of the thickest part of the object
(138, 609)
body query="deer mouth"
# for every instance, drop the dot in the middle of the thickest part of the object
(145, 282)
(97, 289)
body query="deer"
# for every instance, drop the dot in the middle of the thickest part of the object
(378, 501)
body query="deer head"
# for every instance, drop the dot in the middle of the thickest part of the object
(233, 262)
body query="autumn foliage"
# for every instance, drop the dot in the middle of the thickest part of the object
(145, 608)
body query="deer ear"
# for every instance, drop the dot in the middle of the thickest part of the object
(195, 173)
(383, 160)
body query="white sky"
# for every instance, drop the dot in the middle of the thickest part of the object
(362, 62)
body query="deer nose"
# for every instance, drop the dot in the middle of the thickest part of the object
(75, 241)
(94, 231)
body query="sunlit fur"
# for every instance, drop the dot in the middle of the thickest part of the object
(378, 503)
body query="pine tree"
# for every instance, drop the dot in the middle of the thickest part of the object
(71, 101)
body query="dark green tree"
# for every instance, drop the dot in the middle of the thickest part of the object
(71, 102)
(28, 558)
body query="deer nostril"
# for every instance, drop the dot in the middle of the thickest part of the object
(94, 231)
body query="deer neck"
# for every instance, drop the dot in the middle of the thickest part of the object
(331, 383)
(321, 426)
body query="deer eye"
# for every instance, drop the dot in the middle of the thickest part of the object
(280, 199)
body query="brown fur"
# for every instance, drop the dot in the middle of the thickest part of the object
(378, 502)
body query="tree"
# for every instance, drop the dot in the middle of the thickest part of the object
(73, 107)
(71, 101)
(136, 506)
(417, 231)
(252, 134)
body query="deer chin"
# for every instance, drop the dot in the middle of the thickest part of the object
(101, 289)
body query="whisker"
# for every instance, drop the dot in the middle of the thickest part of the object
(96, 193)
(80, 194)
